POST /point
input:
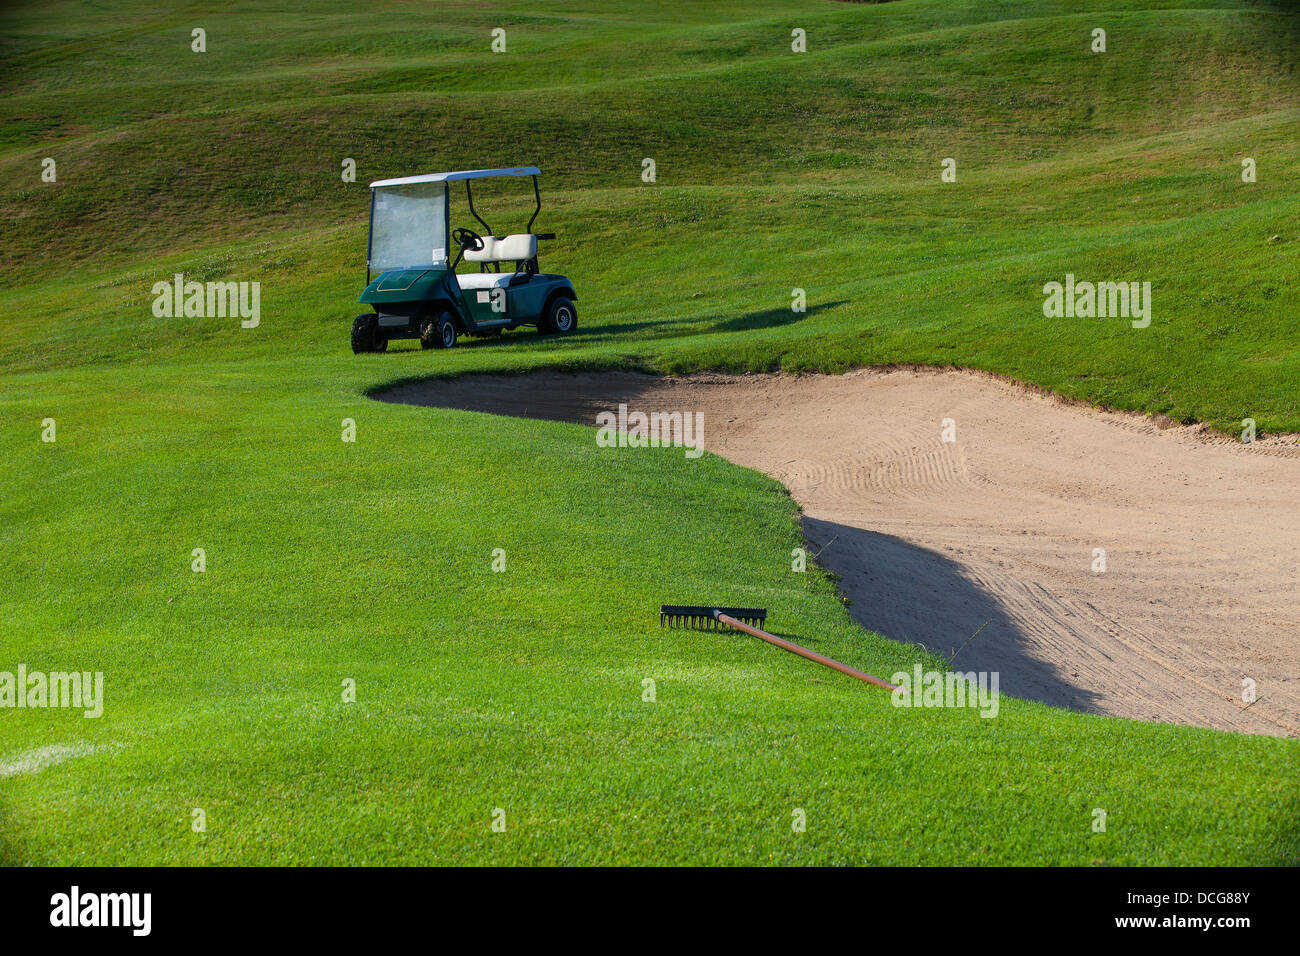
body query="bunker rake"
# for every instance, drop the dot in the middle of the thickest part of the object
(745, 619)
(704, 618)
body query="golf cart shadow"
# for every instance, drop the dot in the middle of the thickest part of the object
(908, 593)
(472, 341)
(771, 318)
(750, 321)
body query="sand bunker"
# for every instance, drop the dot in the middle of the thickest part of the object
(998, 529)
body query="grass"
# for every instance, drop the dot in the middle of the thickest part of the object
(370, 562)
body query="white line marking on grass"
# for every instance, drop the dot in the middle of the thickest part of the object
(36, 760)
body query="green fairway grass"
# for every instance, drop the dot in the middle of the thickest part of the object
(371, 562)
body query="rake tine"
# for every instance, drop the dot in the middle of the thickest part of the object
(706, 617)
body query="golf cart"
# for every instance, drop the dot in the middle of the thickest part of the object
(417, 293)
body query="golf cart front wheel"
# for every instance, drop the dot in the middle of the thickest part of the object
(365, 334)
(561, 317)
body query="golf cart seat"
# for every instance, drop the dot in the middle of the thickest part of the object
(517, 248)
(484, 280)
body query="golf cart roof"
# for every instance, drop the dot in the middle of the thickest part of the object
(453, 177)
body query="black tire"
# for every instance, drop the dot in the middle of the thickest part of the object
(381, 343)
(560, 318)
(365, 331)
(443, 332)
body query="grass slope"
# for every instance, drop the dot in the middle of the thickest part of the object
(371, 561)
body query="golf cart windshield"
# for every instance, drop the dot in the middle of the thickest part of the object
(408, 226)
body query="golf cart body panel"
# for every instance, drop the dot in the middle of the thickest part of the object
(416, 285)
(494, 300)
(508, 300)
(405, 285)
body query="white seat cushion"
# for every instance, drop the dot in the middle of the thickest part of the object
(516, 248)
(486, 253)
(484, 280)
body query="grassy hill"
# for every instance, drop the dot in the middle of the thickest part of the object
(370, 562)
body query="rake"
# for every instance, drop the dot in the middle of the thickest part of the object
(745, 619)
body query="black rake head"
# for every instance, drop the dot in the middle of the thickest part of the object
(706, 618)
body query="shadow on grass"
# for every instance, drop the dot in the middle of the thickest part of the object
(771, 318)
(749, 322)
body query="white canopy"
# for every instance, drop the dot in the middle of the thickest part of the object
(453, 177)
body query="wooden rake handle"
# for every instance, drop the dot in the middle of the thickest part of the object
(802, 651)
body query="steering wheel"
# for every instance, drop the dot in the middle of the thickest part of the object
(467, 239)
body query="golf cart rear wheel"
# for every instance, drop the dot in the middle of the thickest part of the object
(561, 317)
(443, 332)
(365, 331)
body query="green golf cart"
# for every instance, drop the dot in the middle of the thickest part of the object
(416, 292)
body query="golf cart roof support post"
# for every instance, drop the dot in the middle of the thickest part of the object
(538, 194)
(370, 236)
(802, 651)
(470, 196)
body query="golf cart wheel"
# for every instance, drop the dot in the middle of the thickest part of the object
(365, 329)
(443, 332)
(561, 317)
